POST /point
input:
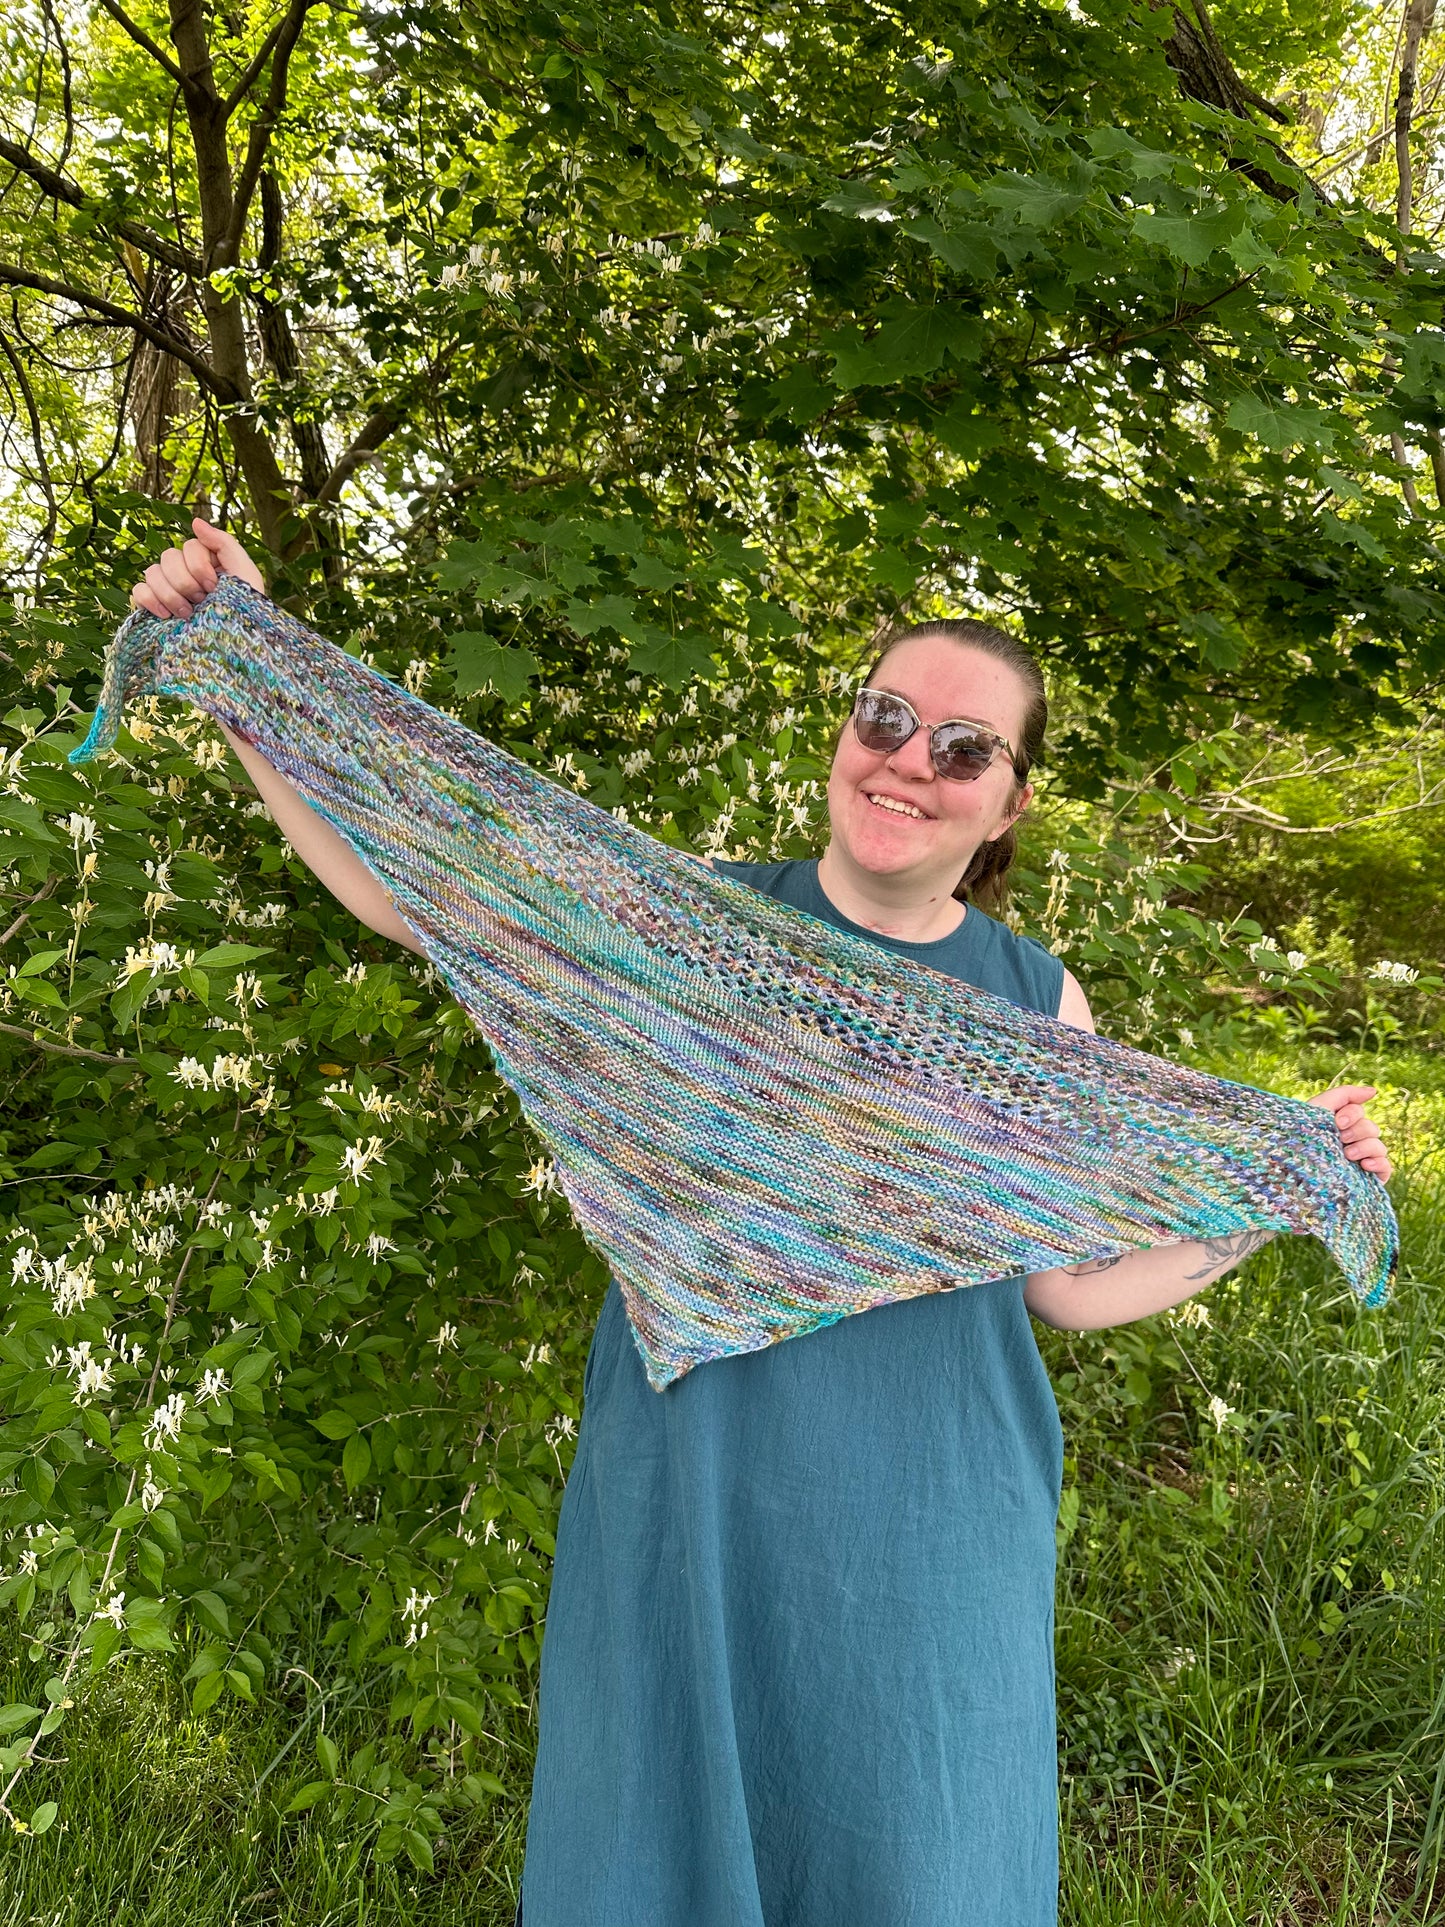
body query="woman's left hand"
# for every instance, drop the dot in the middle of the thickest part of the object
(1358, 1135)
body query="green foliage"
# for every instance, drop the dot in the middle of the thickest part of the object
(612, 381)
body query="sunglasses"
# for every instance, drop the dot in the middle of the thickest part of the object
(961, 751)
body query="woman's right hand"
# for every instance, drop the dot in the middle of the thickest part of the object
(173, 586)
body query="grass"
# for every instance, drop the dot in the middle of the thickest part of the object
(1251, 1687)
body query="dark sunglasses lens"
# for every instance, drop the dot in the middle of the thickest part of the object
(881, 721)
(962, 753)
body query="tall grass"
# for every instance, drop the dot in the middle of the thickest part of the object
(1251, 1688)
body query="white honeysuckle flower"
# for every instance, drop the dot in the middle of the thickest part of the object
(1219, 1412)
(70, 1286)
(377, 1243)
(22, 1263)
(214, 1384)
(151, 1494)
(1296, 959)
(29, 1562)
(113, 1609)
(357, 1158)
(1386, 972)
(80, 828)
(165, 1421)
(446, 1335)
(541, 1176)
(451, 275)
(489, 1531)
(192, 1074)
(1192, 1312)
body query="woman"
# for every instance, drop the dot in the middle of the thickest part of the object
(798, 1668)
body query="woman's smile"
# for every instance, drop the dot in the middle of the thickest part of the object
(902, 810)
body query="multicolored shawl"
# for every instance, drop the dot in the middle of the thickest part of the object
(763, 1123)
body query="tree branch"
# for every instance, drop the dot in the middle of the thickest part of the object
(264, 125)
(117, 317)
(37, 437)
(142, 39)
(56, 188)
(369, 438)
(255, 66)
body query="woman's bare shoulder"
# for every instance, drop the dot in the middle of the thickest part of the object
(696, 858)
(1074, 1005)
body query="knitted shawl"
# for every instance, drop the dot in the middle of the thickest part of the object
(761, 1122)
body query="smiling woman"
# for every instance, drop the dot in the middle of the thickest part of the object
(798, 1662)
(799, 1655)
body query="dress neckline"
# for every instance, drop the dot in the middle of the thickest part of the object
(820, 904)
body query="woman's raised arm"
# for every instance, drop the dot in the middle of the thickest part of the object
(171, 587)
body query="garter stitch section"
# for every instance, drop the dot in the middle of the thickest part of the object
(761, 1122)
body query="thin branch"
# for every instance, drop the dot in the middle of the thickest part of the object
(62, 1050)
(254, 67)
(57, 188)
(37, 436)
(118, 317)
(142, 39)
(369, 438)
(264, 124)
(1119, 340)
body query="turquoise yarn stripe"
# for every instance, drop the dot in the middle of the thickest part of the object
(761, 1122)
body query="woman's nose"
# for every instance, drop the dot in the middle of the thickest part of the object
(913, 758)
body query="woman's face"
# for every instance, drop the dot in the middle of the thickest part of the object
(943, 680)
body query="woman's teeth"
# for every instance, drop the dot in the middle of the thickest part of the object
(895, 808)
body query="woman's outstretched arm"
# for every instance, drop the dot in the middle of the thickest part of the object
(1098, 1292)
(171, 587)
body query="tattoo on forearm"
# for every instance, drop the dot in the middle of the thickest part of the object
(1222, 1253)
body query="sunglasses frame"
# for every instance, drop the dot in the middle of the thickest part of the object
(969, 722)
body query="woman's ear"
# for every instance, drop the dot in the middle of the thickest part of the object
(1019, 808)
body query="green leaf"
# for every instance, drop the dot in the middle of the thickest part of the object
(675, 660)
(1033, 200)
(328, 1755)
(1190, 238)
(24, 820)
(16, 1715)
(207, 1691)
(860, 201)
(37, 1478)
(210, 1609)
(479, 661)
(223, 956)
(616, 612)
(1281, 425)
(355, 1461)
(967, 247)
(308, 1796)
(43, 1816)
(419, 1850)
(335, 1425)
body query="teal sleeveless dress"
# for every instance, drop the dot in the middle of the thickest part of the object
(798, 1666)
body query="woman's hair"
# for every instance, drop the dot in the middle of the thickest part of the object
(985, 880)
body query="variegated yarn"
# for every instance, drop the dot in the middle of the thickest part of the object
(763, 1123)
